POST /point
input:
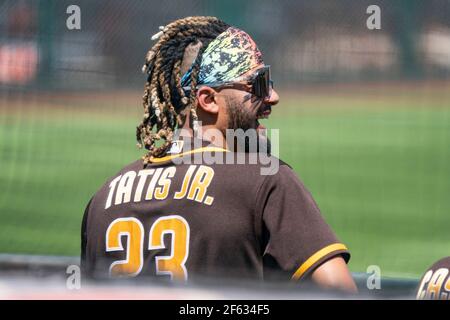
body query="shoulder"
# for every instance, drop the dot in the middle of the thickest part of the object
(279, 172)
(284, 184)
(133, 166)
(258, 178)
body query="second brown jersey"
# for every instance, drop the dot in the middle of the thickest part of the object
(186, 220)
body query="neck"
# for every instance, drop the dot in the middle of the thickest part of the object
(208, 133)
(214, 135)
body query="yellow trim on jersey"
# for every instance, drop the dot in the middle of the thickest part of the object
(203, 149)
(316, 257)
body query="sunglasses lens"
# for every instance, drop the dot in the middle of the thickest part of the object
(267, 83)
(262, 84)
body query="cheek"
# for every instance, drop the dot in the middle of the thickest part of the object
(254, 105)
(250, 102)
(247, 97)
(222, 117)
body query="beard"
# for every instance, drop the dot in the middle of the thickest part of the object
(247, 120)
(238, 116)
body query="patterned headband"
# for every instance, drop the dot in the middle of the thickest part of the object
(226, 58)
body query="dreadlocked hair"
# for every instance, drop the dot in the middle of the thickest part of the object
(165, 103)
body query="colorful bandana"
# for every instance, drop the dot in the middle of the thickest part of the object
(227, 57)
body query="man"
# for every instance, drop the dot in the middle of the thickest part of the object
(435, 283)
(167, 216)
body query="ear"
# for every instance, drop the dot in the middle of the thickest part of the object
(207, 101)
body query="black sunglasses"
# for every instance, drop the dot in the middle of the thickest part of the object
(260, 82)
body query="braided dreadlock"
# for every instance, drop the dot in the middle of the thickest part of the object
(165, 104)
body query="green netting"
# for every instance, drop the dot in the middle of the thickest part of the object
(364, 115)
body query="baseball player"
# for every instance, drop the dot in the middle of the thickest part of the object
(435, 283)
(171, 217)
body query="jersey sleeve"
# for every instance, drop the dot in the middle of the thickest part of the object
(296, 238)
(83, 260)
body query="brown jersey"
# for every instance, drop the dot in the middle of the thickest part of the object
(180, 220)
(435, 283)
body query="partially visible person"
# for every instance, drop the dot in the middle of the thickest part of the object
(435, 283)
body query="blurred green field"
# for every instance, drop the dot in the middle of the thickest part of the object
(377, 164)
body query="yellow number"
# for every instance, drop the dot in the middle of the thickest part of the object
(173, 265)
(132, 229)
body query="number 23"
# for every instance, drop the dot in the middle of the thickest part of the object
(132, 229)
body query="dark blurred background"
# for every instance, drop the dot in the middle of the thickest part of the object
(305, 41)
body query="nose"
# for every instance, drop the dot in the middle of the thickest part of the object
(273, 98)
